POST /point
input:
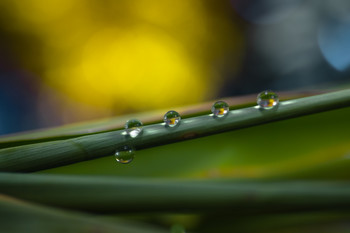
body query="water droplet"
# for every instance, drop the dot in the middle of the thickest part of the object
(133, 128)
(220, 109)
(124, 154)
(267, 99)
(172, 118)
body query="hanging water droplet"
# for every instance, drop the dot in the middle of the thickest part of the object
(220, 109)
(133, 128)
(124, 154)
(267, 99)
(172, 118)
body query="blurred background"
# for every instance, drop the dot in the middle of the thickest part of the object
(66, 61)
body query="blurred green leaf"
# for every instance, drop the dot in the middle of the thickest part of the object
(19, 216)
(125, 195)
(285, 222)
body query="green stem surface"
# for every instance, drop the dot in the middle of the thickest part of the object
(39, 156)
(122, 195)
(18, 216)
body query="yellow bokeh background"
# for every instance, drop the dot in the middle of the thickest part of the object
(104, 58)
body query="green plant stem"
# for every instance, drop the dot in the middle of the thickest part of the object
(46, 155)
(19, 216)
(115, 123)
(121, 195)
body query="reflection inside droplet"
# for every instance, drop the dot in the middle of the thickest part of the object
(172, 118)
(124, 154)
(267, 99)
(133, 128)
(220, 109)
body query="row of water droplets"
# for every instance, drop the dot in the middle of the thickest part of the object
(133, 128)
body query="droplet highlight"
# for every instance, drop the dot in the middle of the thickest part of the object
(125, 154)
(267, 99)
(220, 109)
(133, 128)
(172, 118)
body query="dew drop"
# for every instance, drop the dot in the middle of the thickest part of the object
(133, 128)
(267, 99)
(220, 109)
(124, 154)
(172, 118)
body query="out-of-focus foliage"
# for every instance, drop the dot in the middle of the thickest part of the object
(109, 57)
(68, 61)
